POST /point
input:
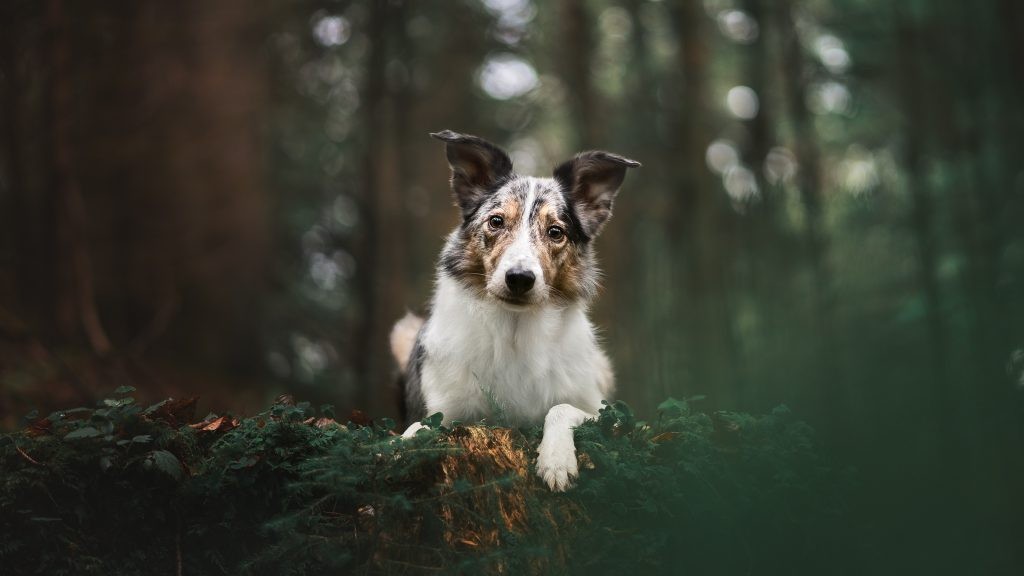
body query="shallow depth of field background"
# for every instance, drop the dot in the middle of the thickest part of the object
(236, 200)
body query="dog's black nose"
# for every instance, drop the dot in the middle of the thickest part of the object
(519, 281)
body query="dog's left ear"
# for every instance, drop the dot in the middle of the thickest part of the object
(591, 180)
(477, 165)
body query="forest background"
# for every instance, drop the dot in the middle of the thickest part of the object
(237, 199)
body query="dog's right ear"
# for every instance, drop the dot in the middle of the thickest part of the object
(477, 165)
(591, 180)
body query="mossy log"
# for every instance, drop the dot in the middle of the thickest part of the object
(120, 489)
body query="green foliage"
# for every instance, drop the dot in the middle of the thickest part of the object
(727, 493)
(123, 490)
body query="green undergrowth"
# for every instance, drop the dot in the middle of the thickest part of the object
(122, 489)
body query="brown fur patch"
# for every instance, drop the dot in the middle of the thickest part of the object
(496, 242)
(471, 266)
(567, 281)
(561, 260)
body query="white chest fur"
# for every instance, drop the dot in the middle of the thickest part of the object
(511, 367)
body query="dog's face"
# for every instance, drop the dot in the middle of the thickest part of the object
(519, 240)
(525, 241)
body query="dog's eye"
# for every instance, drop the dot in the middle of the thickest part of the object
(496, 222)
(556, 233)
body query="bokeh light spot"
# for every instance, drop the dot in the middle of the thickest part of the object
(512, 13)
(740, 183)
(738, 26)
(780, 166)
(832, 53)
(615, 22)
(830, 98)
(721, 155)
(332, 30)
(525, 155)
(505, 76)
(858, 172)
(742, 102)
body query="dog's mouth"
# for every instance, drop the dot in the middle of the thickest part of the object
(513, 300)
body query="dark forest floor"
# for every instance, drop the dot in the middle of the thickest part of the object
(122, 489)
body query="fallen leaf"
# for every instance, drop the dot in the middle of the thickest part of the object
(359, 417)
(39, 427)
(219, 424)
(175, 412)
(664, 437)
(586, 462)
(320, 422)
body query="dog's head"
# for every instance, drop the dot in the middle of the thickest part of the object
(524, 241)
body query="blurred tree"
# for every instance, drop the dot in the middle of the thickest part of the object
(131, 224)
(240, 198)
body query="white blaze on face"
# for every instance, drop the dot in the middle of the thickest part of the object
(522, 253)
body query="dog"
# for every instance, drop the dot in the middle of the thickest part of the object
(507, 337)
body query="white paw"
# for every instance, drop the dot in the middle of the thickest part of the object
(413, 429)
(556, 464)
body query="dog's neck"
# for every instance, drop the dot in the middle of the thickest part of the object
(522, 362)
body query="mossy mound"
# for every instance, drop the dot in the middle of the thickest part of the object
(124, 490)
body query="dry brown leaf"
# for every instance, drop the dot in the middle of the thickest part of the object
(664, 437)
(325, 422)
(359, 417)
(39, 427)
(585, 461)
(176, 412)
(220, 424)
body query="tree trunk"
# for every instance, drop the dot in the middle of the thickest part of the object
(912, 87)
(827, 378)
(576, 51)
(706, 226)
(382, 257)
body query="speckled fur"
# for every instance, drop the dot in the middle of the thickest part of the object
(485, 353)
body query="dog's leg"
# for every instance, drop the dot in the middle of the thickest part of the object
(413, 429)
(556, 455)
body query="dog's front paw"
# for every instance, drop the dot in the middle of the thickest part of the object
(413, 429)
(556, 464)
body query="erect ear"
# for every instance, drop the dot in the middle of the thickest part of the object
(590, 181)
(477, 165)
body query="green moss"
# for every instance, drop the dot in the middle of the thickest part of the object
(121, 490)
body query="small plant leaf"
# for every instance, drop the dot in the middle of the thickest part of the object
(674, 407)
(434, 420)
(84, 432)
(165, 462)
